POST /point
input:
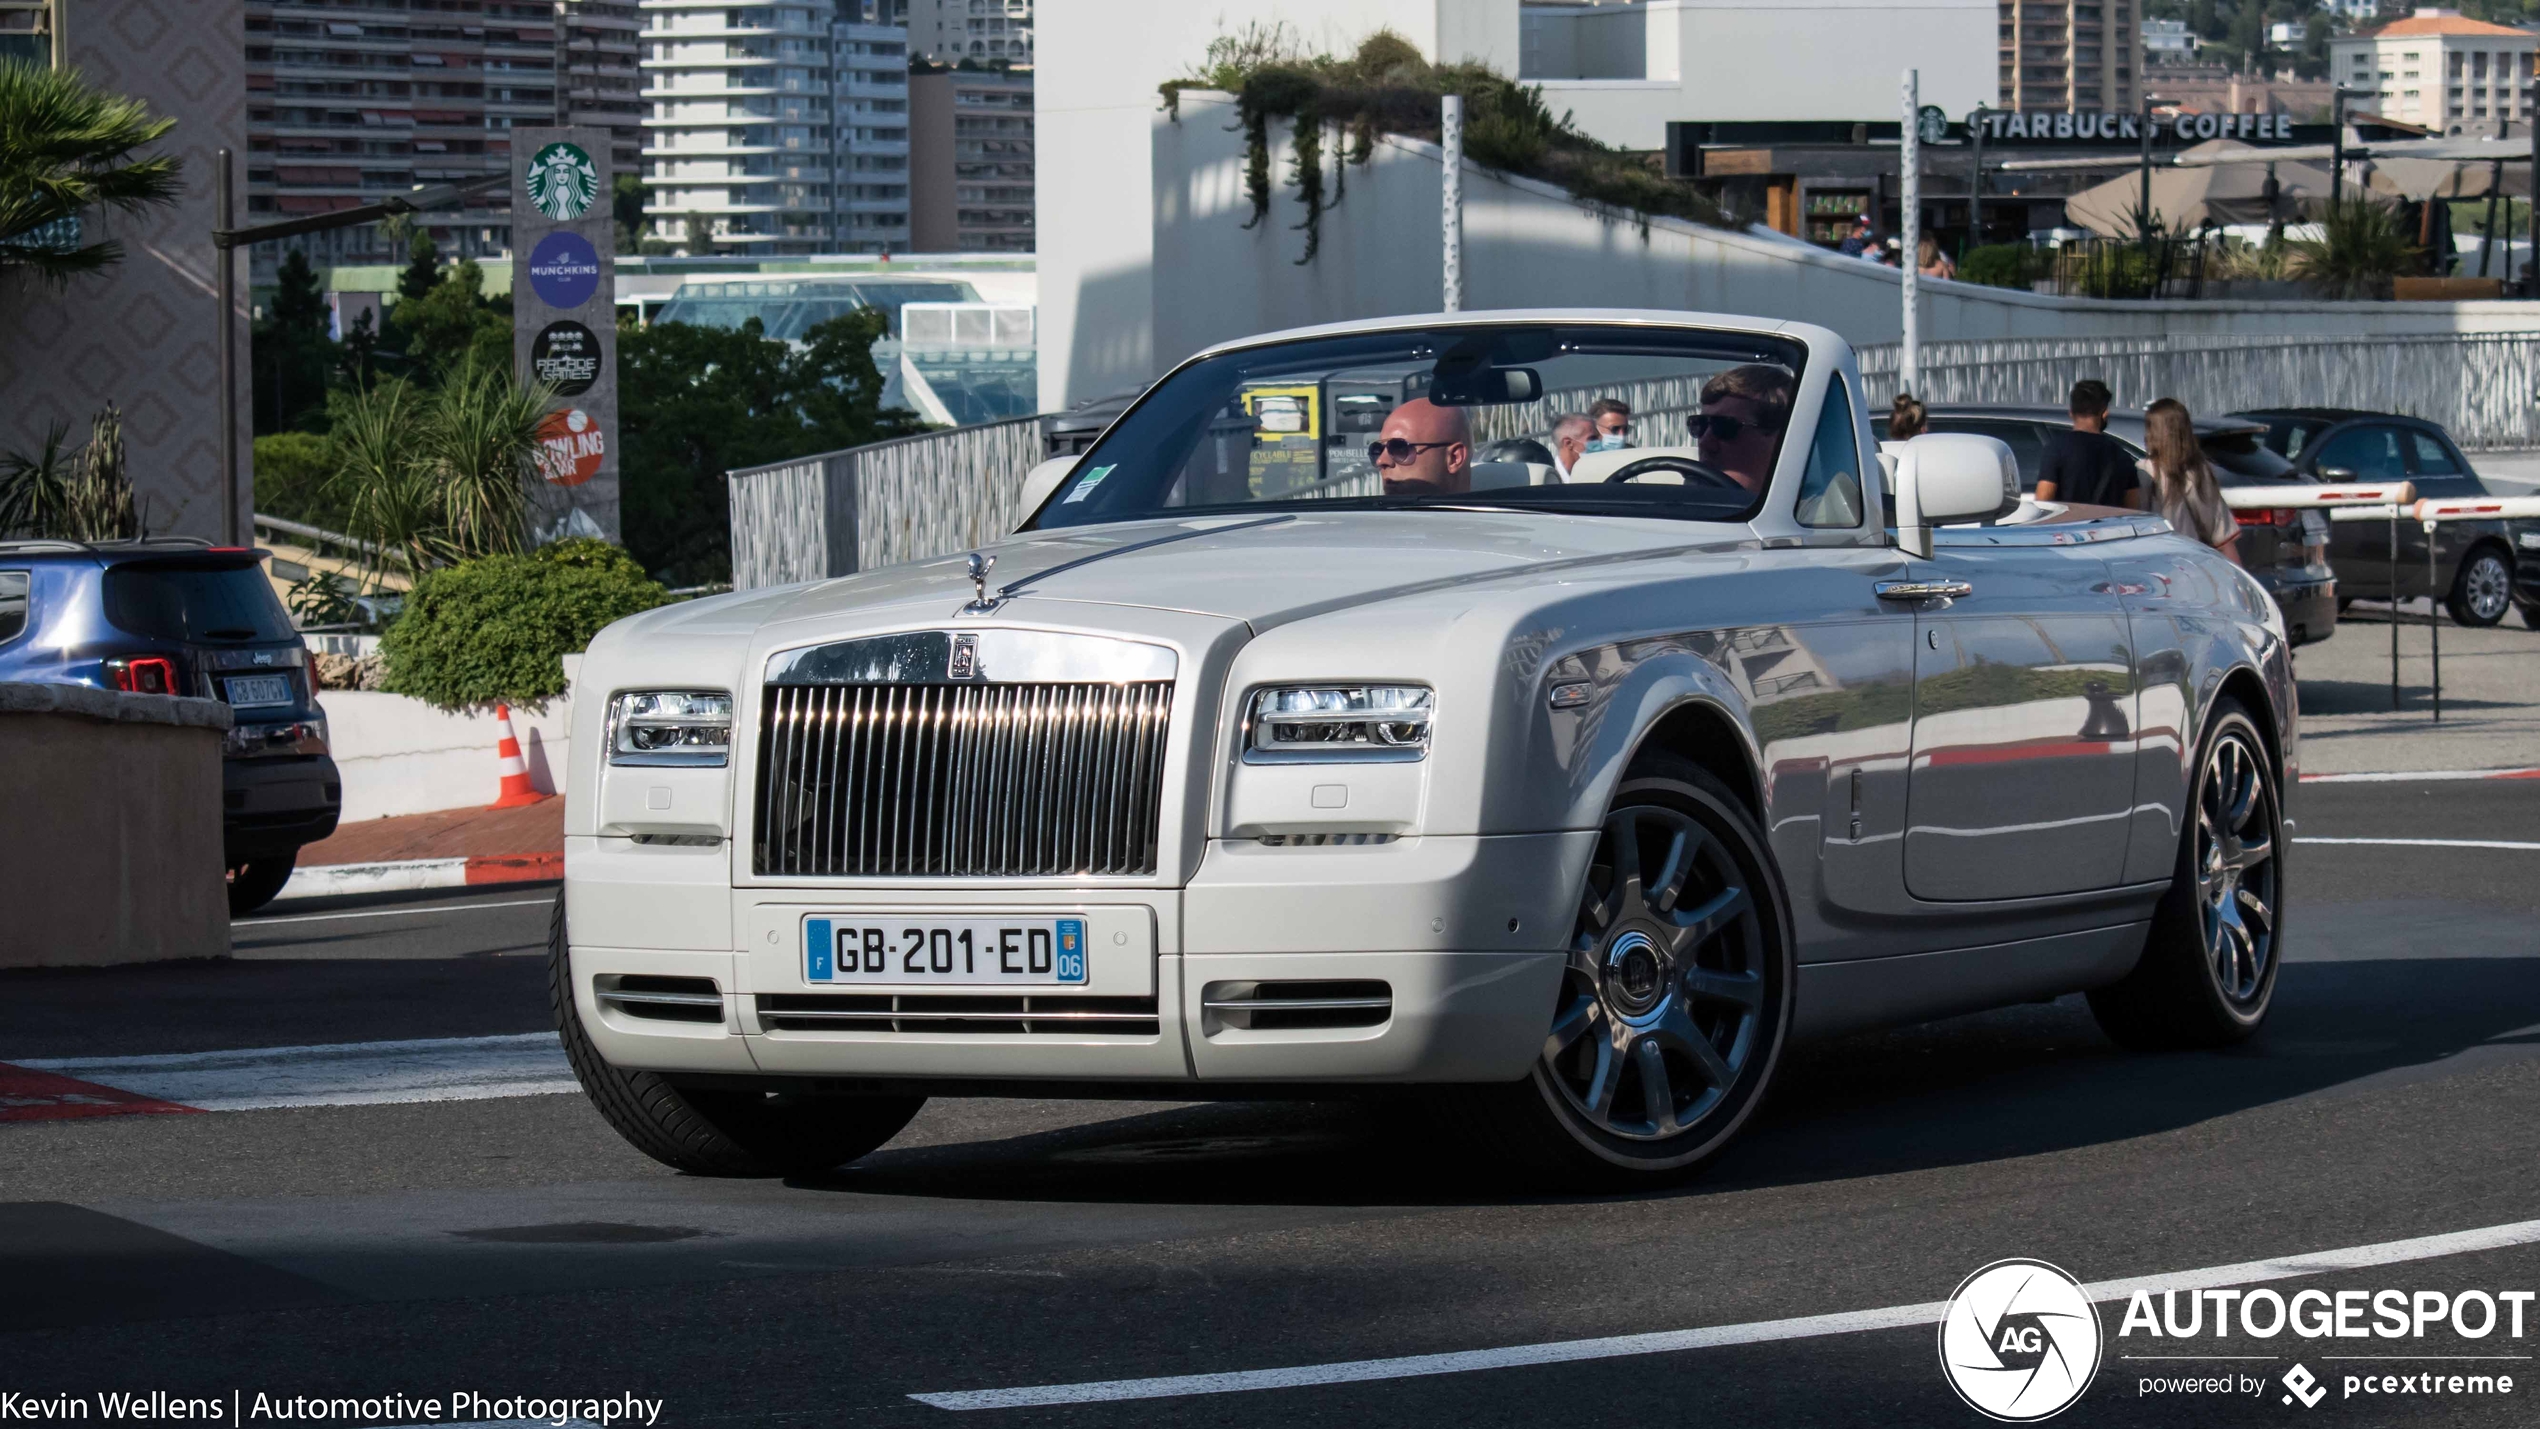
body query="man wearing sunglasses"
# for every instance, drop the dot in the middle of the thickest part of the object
(1424, 450)
(1739, 428)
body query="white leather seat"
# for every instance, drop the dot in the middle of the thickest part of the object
(1594, 467)
(1493, 475)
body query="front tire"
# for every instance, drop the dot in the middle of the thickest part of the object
(1676, 1003)
(716, 1133)
(2208, 970)
(2483, 590)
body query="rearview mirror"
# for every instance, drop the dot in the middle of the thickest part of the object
(1945, 478)
(1041, 480)
(1485, 387)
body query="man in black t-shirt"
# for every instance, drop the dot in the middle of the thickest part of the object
(2086, 466)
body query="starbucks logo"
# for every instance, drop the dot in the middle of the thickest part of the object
(563, 182)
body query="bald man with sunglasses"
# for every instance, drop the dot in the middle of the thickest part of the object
(1424, 450)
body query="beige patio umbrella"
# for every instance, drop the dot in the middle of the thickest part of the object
(2193, 197)
(2446, 178)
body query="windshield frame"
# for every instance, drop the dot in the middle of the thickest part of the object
(1817, 358)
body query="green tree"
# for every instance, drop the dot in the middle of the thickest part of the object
(292, 354)
(423, 267)
(2363, 244)
(496, 628)
(453, 323)
(66, 148)
(626, 203)
(294, 471)
(430, 476)
(696, 402)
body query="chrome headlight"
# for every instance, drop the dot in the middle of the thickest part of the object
(1339, 723)
(670, 727)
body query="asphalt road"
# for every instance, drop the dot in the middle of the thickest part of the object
(515, 1246)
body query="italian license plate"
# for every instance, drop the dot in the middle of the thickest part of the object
(945, 952)
(259, 689)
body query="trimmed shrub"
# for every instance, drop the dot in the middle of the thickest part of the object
(2000, 265)
(498, 627)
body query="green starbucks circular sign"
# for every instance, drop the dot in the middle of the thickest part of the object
(563, 182)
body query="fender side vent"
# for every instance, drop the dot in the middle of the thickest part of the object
(1282, 1006)
(660, 999)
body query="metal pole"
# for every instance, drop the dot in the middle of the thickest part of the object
(2143, 215)
(2434, 617)
(2336, 145)
(2394, 607)
(2531, 260)
(227, 257)
(1451, 199)
(1975, 185)
(563, 67)
(1909, 167)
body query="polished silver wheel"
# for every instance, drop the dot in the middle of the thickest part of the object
(1665, 999)
(2485, 590)
(2236, 866)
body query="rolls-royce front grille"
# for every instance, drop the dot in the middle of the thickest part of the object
(1003, 780)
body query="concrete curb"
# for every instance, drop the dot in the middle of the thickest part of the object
(332, 880)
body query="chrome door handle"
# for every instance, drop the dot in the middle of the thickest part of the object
(1923, 590)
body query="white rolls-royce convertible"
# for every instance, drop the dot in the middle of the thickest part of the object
(1355, 714)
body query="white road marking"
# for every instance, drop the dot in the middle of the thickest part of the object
(2408, 776)
(1850, 1322)
(2422, 843)
(341, 1074)
(394, 912)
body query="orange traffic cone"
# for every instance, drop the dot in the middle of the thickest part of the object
(515, 770)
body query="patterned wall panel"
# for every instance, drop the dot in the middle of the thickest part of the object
(144, 335)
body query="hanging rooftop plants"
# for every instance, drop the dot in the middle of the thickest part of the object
(1386, 84)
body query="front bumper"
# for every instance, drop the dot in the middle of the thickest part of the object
(270, 807)
(1465, 935)
(2308, 599)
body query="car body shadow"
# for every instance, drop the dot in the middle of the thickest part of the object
(1991, 1086)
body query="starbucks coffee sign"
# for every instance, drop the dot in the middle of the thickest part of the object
(2088, 127)
(564, 323)
(562, 181)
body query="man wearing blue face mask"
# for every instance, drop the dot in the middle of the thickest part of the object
(1613, 421)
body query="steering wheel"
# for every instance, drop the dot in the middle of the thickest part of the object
(1694, 473)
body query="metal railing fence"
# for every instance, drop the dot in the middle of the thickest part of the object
(938, 492)
(2480, 386)
(880, 505)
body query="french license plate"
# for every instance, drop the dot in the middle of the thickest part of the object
(259, 689)
(945, 952)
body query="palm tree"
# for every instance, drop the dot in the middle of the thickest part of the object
(2361, 247)
(481, 435)
(66, 147)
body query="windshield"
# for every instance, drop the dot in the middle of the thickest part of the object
(1595, 418)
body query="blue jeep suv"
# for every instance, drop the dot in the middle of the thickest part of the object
(179, 617)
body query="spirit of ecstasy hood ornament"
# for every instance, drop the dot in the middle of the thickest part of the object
(979, 566)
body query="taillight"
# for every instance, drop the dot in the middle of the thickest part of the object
(2280, 516)
(148, 675)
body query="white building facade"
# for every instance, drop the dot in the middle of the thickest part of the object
(1100, 199)
(976, 30)
(780, 128)
(2440, 69)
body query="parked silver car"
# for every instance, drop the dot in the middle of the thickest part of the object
(1288, 747)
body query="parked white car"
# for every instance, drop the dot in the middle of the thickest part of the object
(1287, 745)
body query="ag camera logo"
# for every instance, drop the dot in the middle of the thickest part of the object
(2019, 1341)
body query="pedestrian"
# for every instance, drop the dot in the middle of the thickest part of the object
(2178, 482)
(2083, 465)
(1571, 432)
(1613, 418)
(1906, 420)
(1931, 262)
(1856, 244)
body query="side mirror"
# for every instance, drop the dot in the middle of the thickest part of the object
(1946, 478)
(1041, 480)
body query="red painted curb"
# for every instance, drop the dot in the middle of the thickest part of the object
(29, 1095)
(515, 868)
